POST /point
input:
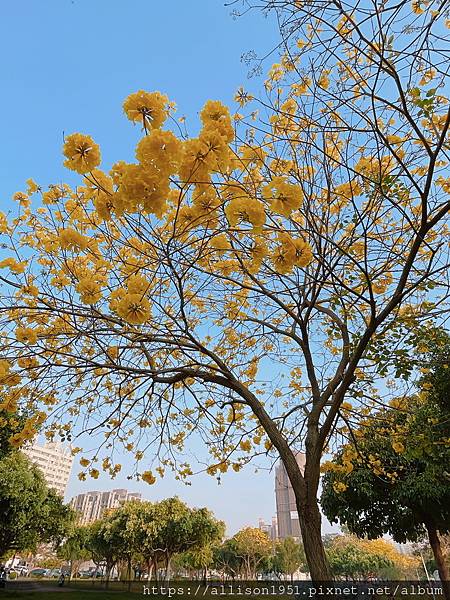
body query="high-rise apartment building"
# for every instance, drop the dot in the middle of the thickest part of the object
(55, 462)
(91, 505)
(287, 516)
(270, 528)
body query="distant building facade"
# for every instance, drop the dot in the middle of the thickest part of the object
(287, 516)
(91, 505)
(55, 462)
(270, 528)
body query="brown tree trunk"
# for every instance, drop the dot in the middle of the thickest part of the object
(108, 574)
(167, 574)
(305, 491)
(155, 567)
(129, 572)
(305, 487)
(311, 529)
(149, 569)
(439, 558)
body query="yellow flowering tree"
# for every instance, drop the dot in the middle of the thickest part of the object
(354, 558)
(252, 547)
(237, 285)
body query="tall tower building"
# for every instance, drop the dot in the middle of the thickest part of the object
(287, 516)
(55, 462)
(91, 505)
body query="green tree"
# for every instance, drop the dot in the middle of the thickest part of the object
(198, 560)
(289, 557)
(180, 528)
(393, 478)
(351, 559)
(30, 512)
(125, 524)
(154, 533)
(74, 548)
(226, 558)
(103, 543)
(146, 523)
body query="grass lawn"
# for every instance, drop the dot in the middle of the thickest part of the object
(76, 595)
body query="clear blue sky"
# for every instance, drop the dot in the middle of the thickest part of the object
(67, 66)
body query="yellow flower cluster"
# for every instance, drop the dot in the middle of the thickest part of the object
(161, 152)
(215, 116)
(8, 377)
(55, 194)
(147, 187)
(148, 108)
(258, 252)
(245, 445)
(70, 239)
(89, 290)
(32, 186)
(291, 253)
(148, 477)
(4, 227)
(28, 362)
(99, 189)
(9, 403)
(381, 283)
(81, 152)
(134, 308)
(26, 335)
(13, 265)
(139, 189)
(339, 486)
(398, 447)
(29, 431)
(246, 209)
(207, 154)
(444, 183)
(375, 168)
(22, 199)
(284, 197)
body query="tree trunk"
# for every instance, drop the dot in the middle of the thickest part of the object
(305, 486)
(155, 567)
(305, 490)
(310, 527)
(149, 569)
(168, 566)
(439, 558)
(129, 572)
(109, 568)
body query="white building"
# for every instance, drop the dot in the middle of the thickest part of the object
(91, 505)
(55, 462)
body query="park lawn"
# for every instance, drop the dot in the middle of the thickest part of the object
(67, 595)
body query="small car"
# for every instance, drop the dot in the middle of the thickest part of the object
(38, 572)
